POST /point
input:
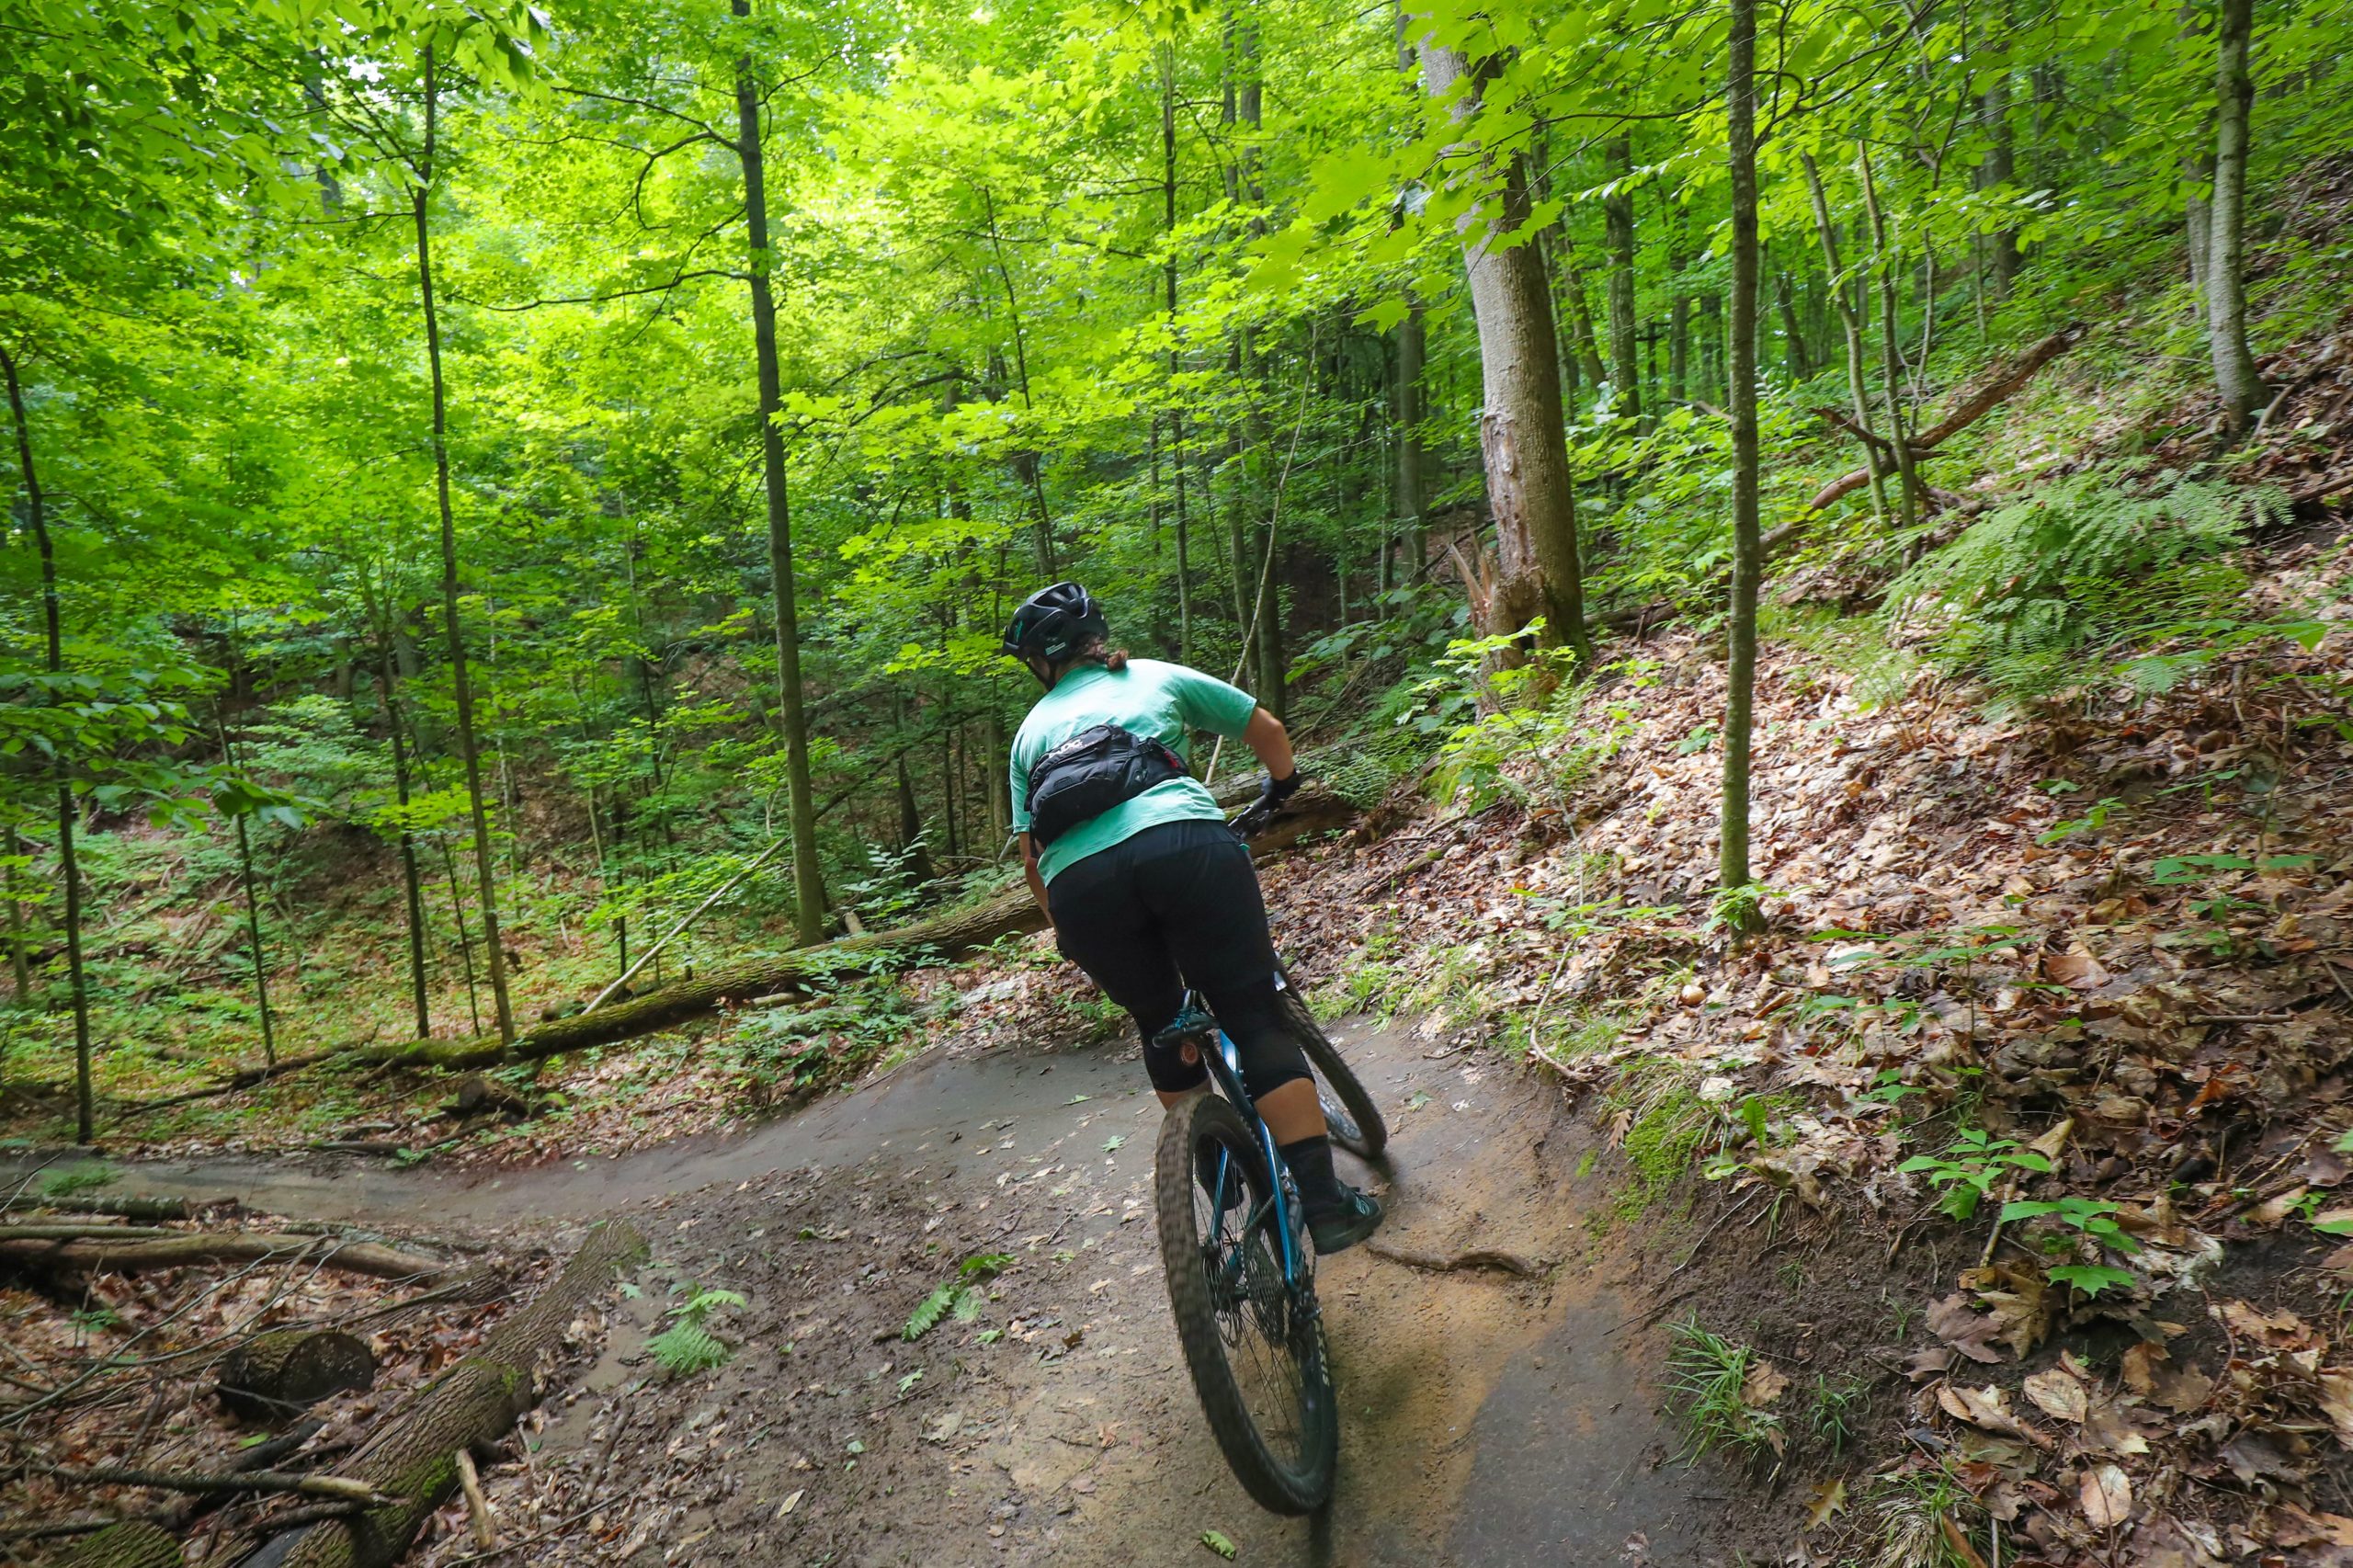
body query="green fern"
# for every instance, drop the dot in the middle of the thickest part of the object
(688, 1345)
(684, 1348)
(960, 1295)
(2033, 596)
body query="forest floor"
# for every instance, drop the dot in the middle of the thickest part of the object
(2100, 966)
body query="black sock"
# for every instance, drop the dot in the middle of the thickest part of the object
(1310, 1160)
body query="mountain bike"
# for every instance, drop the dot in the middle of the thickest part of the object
(1242, 1269)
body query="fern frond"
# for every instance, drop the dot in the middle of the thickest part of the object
(928, 1311)
(686, 1347)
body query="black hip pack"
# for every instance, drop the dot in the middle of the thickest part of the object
(1090, 773)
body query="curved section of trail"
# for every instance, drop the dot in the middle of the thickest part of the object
(1499, 1403)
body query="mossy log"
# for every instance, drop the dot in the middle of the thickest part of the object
(287, 1370)
(414, 1456)
(96, 1253)
(130, 1545)
(138, 1210)
(809, 972)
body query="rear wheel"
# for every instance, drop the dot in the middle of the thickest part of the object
(1253, 1345)
(1353, 1121)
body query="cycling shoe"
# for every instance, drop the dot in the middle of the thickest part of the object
(1355, 1216)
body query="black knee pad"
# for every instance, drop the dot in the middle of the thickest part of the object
(1167, 1066)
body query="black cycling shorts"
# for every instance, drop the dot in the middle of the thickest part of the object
(1178, 905)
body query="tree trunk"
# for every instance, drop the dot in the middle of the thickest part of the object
(1800, 359)
(1168, 274)
(128, 1545)
(1850, 319)
(1995, 173)
(469, 751)
(471, 1405)
(1521, 434)
(2236, 380)
(1618, 219)
(808, 884)
(20, 967)
(1908, 487)
(412, 883)
(1410, 504)
(1748, 553)
(69, 866)
(287, 1370)
(97, 1254)
(253, 915)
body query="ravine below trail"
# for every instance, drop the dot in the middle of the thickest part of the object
(1491, 1416)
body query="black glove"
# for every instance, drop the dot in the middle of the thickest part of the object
(1272, 795)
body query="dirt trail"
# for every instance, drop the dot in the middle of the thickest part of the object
(1488, 1419)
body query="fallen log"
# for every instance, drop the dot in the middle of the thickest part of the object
(131, 1545)
(808, 971)
(242, 1078)
(180, 1251)
(471, 1405)
(343, 1489)
(143, 1210)
(287, 1370)
(68, 1230)
(1976, 402)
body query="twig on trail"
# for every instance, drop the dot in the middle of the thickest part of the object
(1652, 1311)
(556, 1528)
(342, 1489)
(2240, 1018)
(1721, 1220)
(1536, 1019)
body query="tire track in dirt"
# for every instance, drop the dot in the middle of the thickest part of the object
(1487, 1418)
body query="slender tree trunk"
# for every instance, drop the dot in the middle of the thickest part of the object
(1850, 319)
(1891, 343)
(1747, 551)
(1409, 504)
(1995, 174)
(1800, 357)
(69, 865)
(808, 884)
(253, 915)
(1169, 276)
(1521, 432)
(1000, 783)
(412, 885)
(2235, 379)
(1618, 219)
(20, 967)
(469, 751)
(465, 935)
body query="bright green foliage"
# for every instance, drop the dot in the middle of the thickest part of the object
(960, 1296)
(1713, 1381)
(1971, 1168)
(689, 1346)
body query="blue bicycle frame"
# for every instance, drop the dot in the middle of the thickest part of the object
(1194, 1022)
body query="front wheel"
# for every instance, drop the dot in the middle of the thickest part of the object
(1352, 1119)
(1254, 1344)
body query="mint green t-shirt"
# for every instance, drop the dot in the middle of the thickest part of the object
(1160, 701)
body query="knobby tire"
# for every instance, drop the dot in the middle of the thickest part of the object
(1297, 1482)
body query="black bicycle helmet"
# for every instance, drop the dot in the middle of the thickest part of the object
(1054, 623)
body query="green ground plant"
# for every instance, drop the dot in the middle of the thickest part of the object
(1710, 1380)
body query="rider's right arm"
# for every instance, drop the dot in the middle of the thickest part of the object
(1266, 737)
(1037, 882)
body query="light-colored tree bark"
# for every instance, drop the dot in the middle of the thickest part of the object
(1850, 319)
(1529, 484)
(1618, 220)
(2236, 380)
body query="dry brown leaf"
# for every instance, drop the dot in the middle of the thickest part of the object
(2053, 1142)
(1988, 1409)
(2109, 1428)
(2336, 1403)
(2292, 1526)
(2057, 1394)
(2105, 1497)
(1827, 1498)
(2075, 969)
(1762, 1386)
(2280, 1330)
(2140, 1367)
(1968, 1331)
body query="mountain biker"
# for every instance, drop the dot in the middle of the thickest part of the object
(1133, 863)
